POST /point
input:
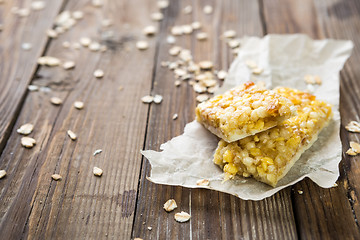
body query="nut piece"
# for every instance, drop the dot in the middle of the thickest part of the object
(203, 182)
(2, 173)
(149, 30)
(208, 9)
(55, 100)
(351, 152)
(182, 217)
(142, 45)
(25, 129)
(147, 99)
(72, 135)
(97, 171)
(68, 65)
(56, 177)
(353, 126)
(355, 146)
(28, 142)
(158, 99)
(170, 205)
(78, 105)
(98, 73)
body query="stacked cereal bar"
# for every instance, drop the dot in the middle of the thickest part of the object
(268, 155)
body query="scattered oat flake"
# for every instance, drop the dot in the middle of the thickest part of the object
(98, 151)
(234, 43)
(208, 9)
(97, 3)
(174, 51)
(203, 182)
(170, 205)
(300, 192)
(78, 105)
(196, 25)
(85, 41)
(97, 171)
(351, 152)
(56, 177)
(229, 34)
(72, 135)
(157, 16)
(142, 45)
(175, 116)
(149, 30)
(177, 83)
(55, 100)
(23, 12)
(158, 99)
(202, 97)
(68, 65)
(187, 9)
(187, 29)
(2, 174)
(353, 126)
(257, 71)
(138, 239)
(98, 73)
(26, 46)
(162, 4)
(51, 33)
(106, 22)
(177, 30)
(222, 74)
(37, 5)
(121, 88)
(201, 36)
(251, 64)
(355, 146)
(49, 61)
(28, 142)
(182, 217)
(25, 129)
(147, 99)
(78, 15)
(76, 45)
(170, 39)
(94, 46)
(66, 44)
(205, 65)
(149, 228)
(33, 88)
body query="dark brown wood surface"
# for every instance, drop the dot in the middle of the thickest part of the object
(122, 204)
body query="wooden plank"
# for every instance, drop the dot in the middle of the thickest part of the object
(214, 215)
(83, 206)
(17, 66)
(326, 213)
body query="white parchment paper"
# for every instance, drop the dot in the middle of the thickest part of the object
(285, 60)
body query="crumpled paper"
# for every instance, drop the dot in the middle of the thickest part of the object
(285, 59)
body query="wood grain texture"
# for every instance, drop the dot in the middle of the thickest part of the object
(82, 206)
(326, 213)
(17, 66)
(214, 215)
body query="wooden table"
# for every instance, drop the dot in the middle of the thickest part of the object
(122, 204)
